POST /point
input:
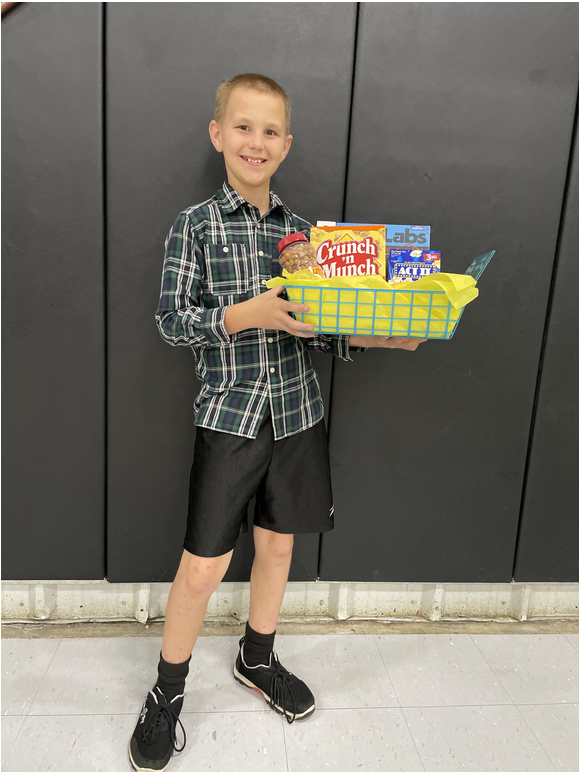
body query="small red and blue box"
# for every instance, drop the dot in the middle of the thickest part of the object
(406, 265)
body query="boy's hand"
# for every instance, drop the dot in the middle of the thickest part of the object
(376, 341)
(268, 312)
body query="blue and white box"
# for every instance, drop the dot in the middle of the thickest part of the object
(401, 235)
(405, 265)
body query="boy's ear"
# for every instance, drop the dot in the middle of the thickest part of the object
(214, 129)
(286, 146)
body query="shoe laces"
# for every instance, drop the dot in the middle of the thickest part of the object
(280, 680)
(160, 717)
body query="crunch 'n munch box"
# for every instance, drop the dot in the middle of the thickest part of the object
(348, 251)
(407, 265)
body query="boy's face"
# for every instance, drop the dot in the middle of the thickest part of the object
(252, 138)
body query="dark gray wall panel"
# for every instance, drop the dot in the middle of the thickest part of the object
(462, 120)
(165, 62)
(52, 293)
(548, 545)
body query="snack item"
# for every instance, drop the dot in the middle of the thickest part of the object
(401, 235)
(345, 251)
(404, 235)
(407, 265)
(296, 254)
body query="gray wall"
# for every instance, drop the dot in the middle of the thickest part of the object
(53, 314)
(455, 463)
(469, 131)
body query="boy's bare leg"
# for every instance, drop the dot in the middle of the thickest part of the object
(270, 569)
(195, 581)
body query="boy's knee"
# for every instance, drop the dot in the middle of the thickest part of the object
(203, 575)
(278, 546)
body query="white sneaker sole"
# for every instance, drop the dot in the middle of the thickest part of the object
(245, 682)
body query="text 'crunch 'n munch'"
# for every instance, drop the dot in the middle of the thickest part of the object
(350, 251)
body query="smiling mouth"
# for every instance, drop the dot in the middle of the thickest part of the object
(253, 161)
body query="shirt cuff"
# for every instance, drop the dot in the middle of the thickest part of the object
(343, 348)
(212, 326)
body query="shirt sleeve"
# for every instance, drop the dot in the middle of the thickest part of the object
(180, 318)
(338, 345)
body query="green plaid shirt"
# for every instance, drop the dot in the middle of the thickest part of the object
(222, 252)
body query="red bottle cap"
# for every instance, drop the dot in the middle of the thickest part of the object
(291, 240)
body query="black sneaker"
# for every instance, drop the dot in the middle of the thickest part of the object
(154, 739)
(282, 690)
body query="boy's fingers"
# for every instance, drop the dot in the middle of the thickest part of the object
(295, 307)
(300, 327)
(303, 328)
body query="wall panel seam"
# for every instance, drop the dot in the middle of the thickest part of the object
(349, 124)
(566, 190)
(105, 279)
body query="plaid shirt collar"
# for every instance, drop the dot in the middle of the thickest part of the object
(229, 200)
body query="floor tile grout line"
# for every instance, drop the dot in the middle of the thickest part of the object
(285, 748)
(564, 635)
(27, 714)
(400, 708)
(489, 666)
(60, 640)
(4, 759)
(537, 739)
(375, 637)
(319, 710)
(490, 705)
(405, 718)
(502, 686)
(133, 714)
(471, 635)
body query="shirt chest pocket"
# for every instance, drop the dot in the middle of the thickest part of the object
(227, 269)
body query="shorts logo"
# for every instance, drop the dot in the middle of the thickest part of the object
(332, 510)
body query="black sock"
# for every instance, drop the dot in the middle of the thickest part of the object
(257, 646)
(171, 677)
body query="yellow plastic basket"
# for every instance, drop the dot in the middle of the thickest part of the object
(410, 310)
(406, 313)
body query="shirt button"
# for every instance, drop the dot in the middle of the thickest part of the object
(261, 253)
(270, 340)
(225, 249)
(264, 281)
(272, 369)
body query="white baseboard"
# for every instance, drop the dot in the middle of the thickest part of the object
(70, 601)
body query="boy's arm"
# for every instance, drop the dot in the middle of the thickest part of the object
(180, 319)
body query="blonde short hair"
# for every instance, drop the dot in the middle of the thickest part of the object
(251, 80)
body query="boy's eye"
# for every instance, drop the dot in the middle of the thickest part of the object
(243, 127)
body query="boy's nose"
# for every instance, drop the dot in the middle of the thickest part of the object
(255, 141)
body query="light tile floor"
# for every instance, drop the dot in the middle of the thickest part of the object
(397, 703)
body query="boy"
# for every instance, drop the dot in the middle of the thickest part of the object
(258, 415)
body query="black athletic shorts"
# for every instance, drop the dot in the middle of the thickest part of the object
(291, 479)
